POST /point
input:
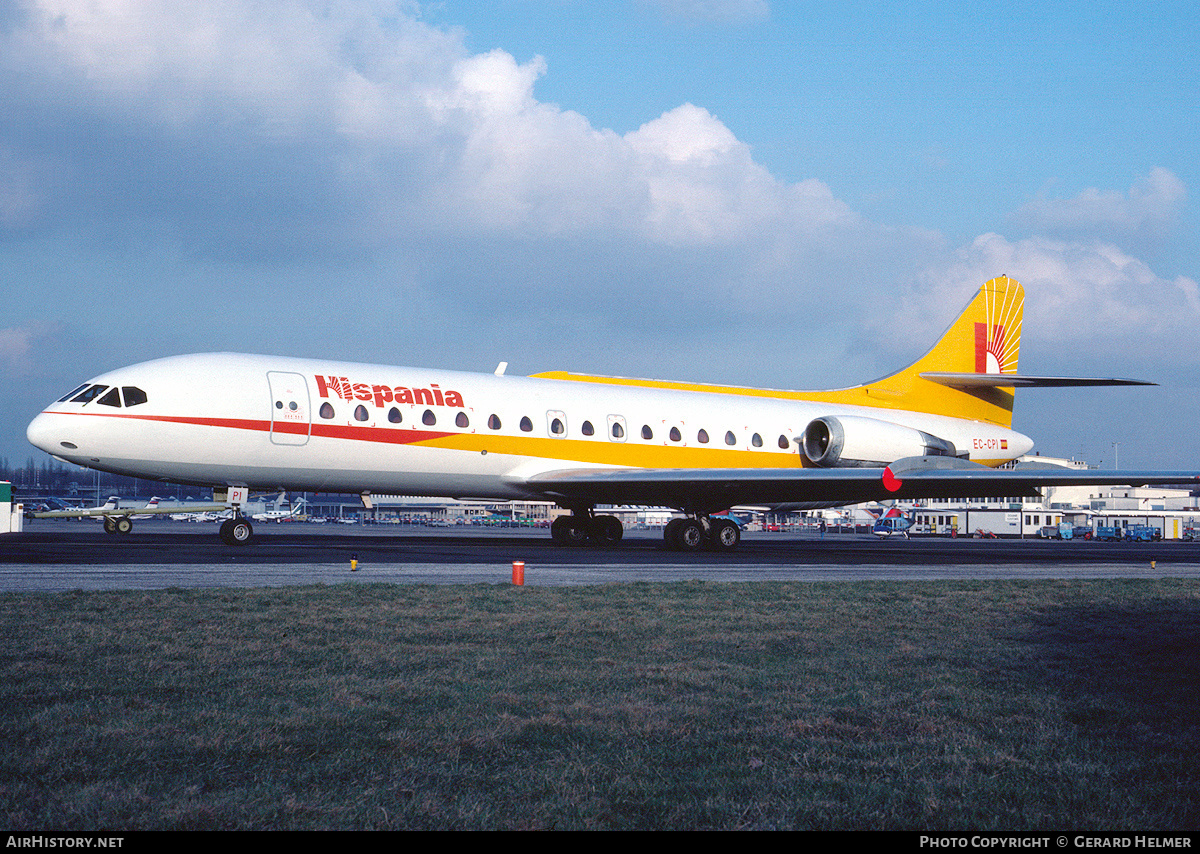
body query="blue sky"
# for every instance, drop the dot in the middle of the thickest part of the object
(794, 195)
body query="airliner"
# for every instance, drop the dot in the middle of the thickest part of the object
(941, 427)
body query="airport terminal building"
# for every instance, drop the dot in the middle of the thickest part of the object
(1172, 513)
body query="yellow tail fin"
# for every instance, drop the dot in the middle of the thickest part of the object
(984, 339)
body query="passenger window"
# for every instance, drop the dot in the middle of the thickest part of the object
(326, 410)
(494, 422)
(647, 433)
(783, 442)
(756, 440)
(394, 415)
(702, 436)
(461, 420)
(526, 424)
(616, 428)
(113, 398)
(676, 436)
(361, 414)
(730, 439)
(557, 428)
(428, 418)
(133, 395)
(588, 429)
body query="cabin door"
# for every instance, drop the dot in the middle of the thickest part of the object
(291, 418)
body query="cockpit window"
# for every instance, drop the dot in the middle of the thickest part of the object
(89, 394)
(113, 398)
(133, 395)
(72, 393)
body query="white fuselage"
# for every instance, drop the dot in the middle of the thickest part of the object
(301, 424)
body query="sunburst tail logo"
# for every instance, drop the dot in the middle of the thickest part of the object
(998, 341)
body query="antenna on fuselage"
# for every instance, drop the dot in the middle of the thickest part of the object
(501, 368)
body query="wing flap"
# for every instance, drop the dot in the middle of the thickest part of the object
(708, 490)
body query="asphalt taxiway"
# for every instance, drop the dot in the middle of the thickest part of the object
(69, 555)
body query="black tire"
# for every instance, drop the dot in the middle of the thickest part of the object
(606, 530)
(110, 525)
(669, 532)
(725, 535)
(236, 532)
(123, 525)
(690, 535)
(569, 531)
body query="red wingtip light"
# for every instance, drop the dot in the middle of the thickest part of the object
(890, 482)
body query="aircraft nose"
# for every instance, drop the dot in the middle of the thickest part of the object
(45, 432)
(40, 433)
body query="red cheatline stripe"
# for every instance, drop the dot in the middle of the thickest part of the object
(384, 435)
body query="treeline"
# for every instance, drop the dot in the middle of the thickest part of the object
(51, 477)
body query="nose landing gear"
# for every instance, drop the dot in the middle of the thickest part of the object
(236, 532)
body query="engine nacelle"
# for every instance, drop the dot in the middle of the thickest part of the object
(852, 440)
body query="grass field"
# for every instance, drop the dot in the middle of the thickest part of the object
(923, 705)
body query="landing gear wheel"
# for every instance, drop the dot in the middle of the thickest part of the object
(725, 535)
(123, 525)
(606, 530)
(236, 532)
(689, 535)
(669, 534)
(569, 530)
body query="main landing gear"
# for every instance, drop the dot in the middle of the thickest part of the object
(581, 528)
(681, 535)
(697, 532)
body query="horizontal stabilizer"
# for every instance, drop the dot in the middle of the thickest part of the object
(971, 381)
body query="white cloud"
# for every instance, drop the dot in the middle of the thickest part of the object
(350, 130)
(688, 134)
(1149, 211)
(1088, 297)
(353, 102)
(18, 348)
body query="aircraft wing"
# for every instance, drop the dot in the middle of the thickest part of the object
(708, 490)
